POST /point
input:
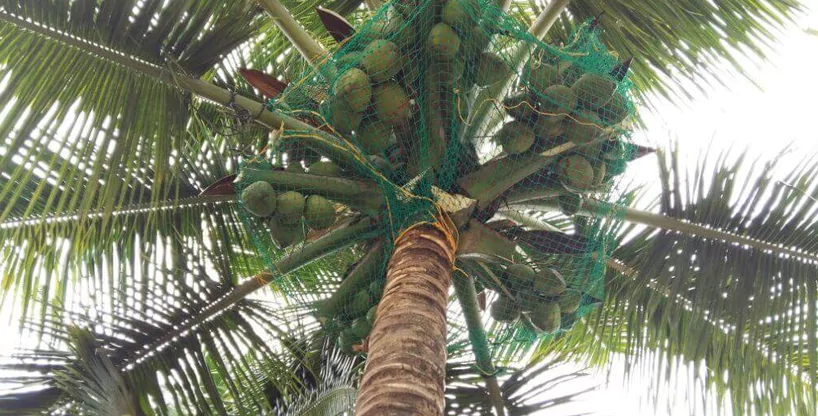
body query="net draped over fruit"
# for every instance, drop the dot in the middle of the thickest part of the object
(432, 104)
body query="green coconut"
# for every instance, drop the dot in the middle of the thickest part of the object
(549, 282)
(443, 41)
(285, 235)
(491, 69)
(371, 314)
(546, 316)
(392, 104)
(447, 72)
(569, 301)
(355, 89)
(547, 126)
(615, 110)
(459, 14)
(325, 168)
(346, 340)
(376, 288)
(540, 76)
(374, 135)
(570, 203)
(290, 207)
(381, 60)
(591, 150)
(576, 171)
(504, 310)
(319, 213)
(361, 303)
(520, 106)
(600, 170)
(558, 100)
(515, 137)
(527, 300)
(341, 117)
(294, 166)
(361, 327)
(519, 276)
(260, 199)
(584, 127)
(593, 90)
(350, 60)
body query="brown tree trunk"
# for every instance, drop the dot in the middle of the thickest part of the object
(406, 366)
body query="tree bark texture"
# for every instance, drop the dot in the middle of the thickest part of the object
(406, 365)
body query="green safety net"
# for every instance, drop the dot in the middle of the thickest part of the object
(450, 108)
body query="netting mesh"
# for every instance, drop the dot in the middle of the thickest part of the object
(449, 107)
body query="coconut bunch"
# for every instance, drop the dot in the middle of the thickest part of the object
(289, 214)
(558, 104)
(541, 297)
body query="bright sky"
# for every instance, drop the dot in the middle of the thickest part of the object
(735, 117)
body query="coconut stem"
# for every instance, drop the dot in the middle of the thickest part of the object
(309, 48)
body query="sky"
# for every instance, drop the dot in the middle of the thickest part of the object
(780, 111)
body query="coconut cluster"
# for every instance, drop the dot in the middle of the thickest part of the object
(559, 103)
(541, 296)
(288, 213)
(355, 323)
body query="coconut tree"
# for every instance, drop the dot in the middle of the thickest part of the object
(119, 115)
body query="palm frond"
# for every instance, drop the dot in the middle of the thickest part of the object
(746, 315)
(680, 47)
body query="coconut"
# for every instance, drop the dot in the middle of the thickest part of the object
(558, 100)
(285, 235)
(290, 207)
(504, 310)
(584, 127)
(354, 88)
(459, 14)
(548, 127)
(546, 316)
(443, 41)
(600, 170)
(447, 72)
(361, 327)
(392, 104)
(346, 340)
(361, 303)
(569, 301)
(540, 76)
(593, 90)
(519, 276)
(350, 60)
(549, 282)
(576, 171)
(371, 314)
(325, 168)
(520, 106)
(259, 198)
(374, 135)
(341, 117)
(381, 60)
(319, 212)
(527, 300)
(515, 137)
(591, 150)
(376, 288)
(570, 203)
(615, 110)
(490, 69)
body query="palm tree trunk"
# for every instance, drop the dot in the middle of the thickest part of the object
(406, 368)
